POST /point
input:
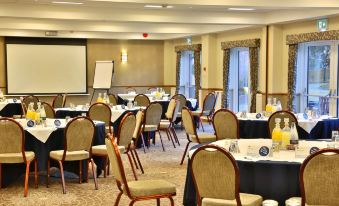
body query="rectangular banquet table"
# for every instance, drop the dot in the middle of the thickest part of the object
(10, 107)
(55, 141)
(272, 178)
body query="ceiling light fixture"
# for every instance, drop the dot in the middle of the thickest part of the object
(241, 9)
(159, 6)
(67, 2)
(153, 6)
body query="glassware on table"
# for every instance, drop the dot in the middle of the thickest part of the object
(83, 114)
(67, 118)
(135, 103)
(335, 134)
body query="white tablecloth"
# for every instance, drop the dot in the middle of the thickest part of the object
(7, 101)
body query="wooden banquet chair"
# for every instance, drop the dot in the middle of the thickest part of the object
(182, 100)
(225, 124)
(216, 178)
(142, 100)
(12, 149)
(136, 190)
(78, 140)
(50, 113)
(207, 109)
(281, 115)
(319, 178)
(112, 99)
(30, 98)
(191, 132)
(152, 121)
(101, 112)
(139, 117)
(59, 101)
(167, 125)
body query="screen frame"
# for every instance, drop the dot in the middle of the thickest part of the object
(45, 41)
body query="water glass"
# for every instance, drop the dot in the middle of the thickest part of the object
(335, 135)
(67, 118)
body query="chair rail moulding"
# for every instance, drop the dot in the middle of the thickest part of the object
(253, 45)
(196, 48)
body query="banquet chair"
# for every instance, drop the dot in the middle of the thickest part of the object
(225, 124)
(136, 190)
(142, 100)
(136, 135)
(59, 101)
(112, 99)
(216, 178)
(130, 90)
(30, 98)
(12, 149)
(182, 101)
(50, 113)
(167, 125)
(191, 132)
(23, 109)
(151, 89)
(152, 121)
(319, 178)
(78, 139)
(207, 109)
(281, 115)
(101, 112)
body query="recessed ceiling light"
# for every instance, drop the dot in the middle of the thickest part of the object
(241, 9)
(67, 2)
(158, 6)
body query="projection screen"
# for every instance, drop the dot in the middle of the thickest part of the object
(46, 69)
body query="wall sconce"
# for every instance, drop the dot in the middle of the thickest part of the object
(123, 56)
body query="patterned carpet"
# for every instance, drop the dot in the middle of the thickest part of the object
(157, 165)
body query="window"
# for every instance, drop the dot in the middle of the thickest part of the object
(317, 65)
(187, 80)
(239, 93)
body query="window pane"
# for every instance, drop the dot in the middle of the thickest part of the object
(243, 80)
(187, 80)
(318, 74)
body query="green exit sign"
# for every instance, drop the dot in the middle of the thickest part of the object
(322, 24)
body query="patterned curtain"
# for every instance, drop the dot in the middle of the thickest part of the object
(292, 74)
(197, 72)
(254, 72)
(178, 72)
(226, 71)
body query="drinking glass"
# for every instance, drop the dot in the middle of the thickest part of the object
(334, 135)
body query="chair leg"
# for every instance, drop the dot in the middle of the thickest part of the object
(130, 161)
(0, 175)
(80, 172)
(94, 176)
(137, 156)
(148, 140)
(105, 167)
(202, 126)
(108, 166)
(87, 166)
(26, 178)
(132, 203)
(48, 168)
(143, 142)
(36, 181)
(183, 156)
(133, 157)
(62, 177)
(158, 201)
(175, 135)
(171, 200)
(162, 144)
(118, 199)
(168, 132)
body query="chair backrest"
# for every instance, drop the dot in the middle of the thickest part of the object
(151, 89)
(126, 130)
(153, 114)
(187, 120)
(79, 133)
(319, 178)
(139, 120)
(226, 124)
(23, 108)
(176, 111)
(131, 89)
(30, 98)
(100, 112)
(170, 108)
(215, 173)
(12, 137)
(116, 162)
(112, 99)
(142, 100)
(50, 113)
(209, 102)
(59, 101)
(281, 115)
(182, 100)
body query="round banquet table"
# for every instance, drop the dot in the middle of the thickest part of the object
(11, 109)
(11, 172)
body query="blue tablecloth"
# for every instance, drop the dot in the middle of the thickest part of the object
(270, 179)
(10, 172)
(251, 129)
(11, 109)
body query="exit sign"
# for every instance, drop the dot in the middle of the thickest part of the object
(322, 24)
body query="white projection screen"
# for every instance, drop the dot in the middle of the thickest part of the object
(46, 69)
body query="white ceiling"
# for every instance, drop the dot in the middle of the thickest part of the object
(128, 19)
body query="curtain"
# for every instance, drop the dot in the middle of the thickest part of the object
(178, 72)
(226, 71)
(254, 72)
(292, 74)
(197, 73)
